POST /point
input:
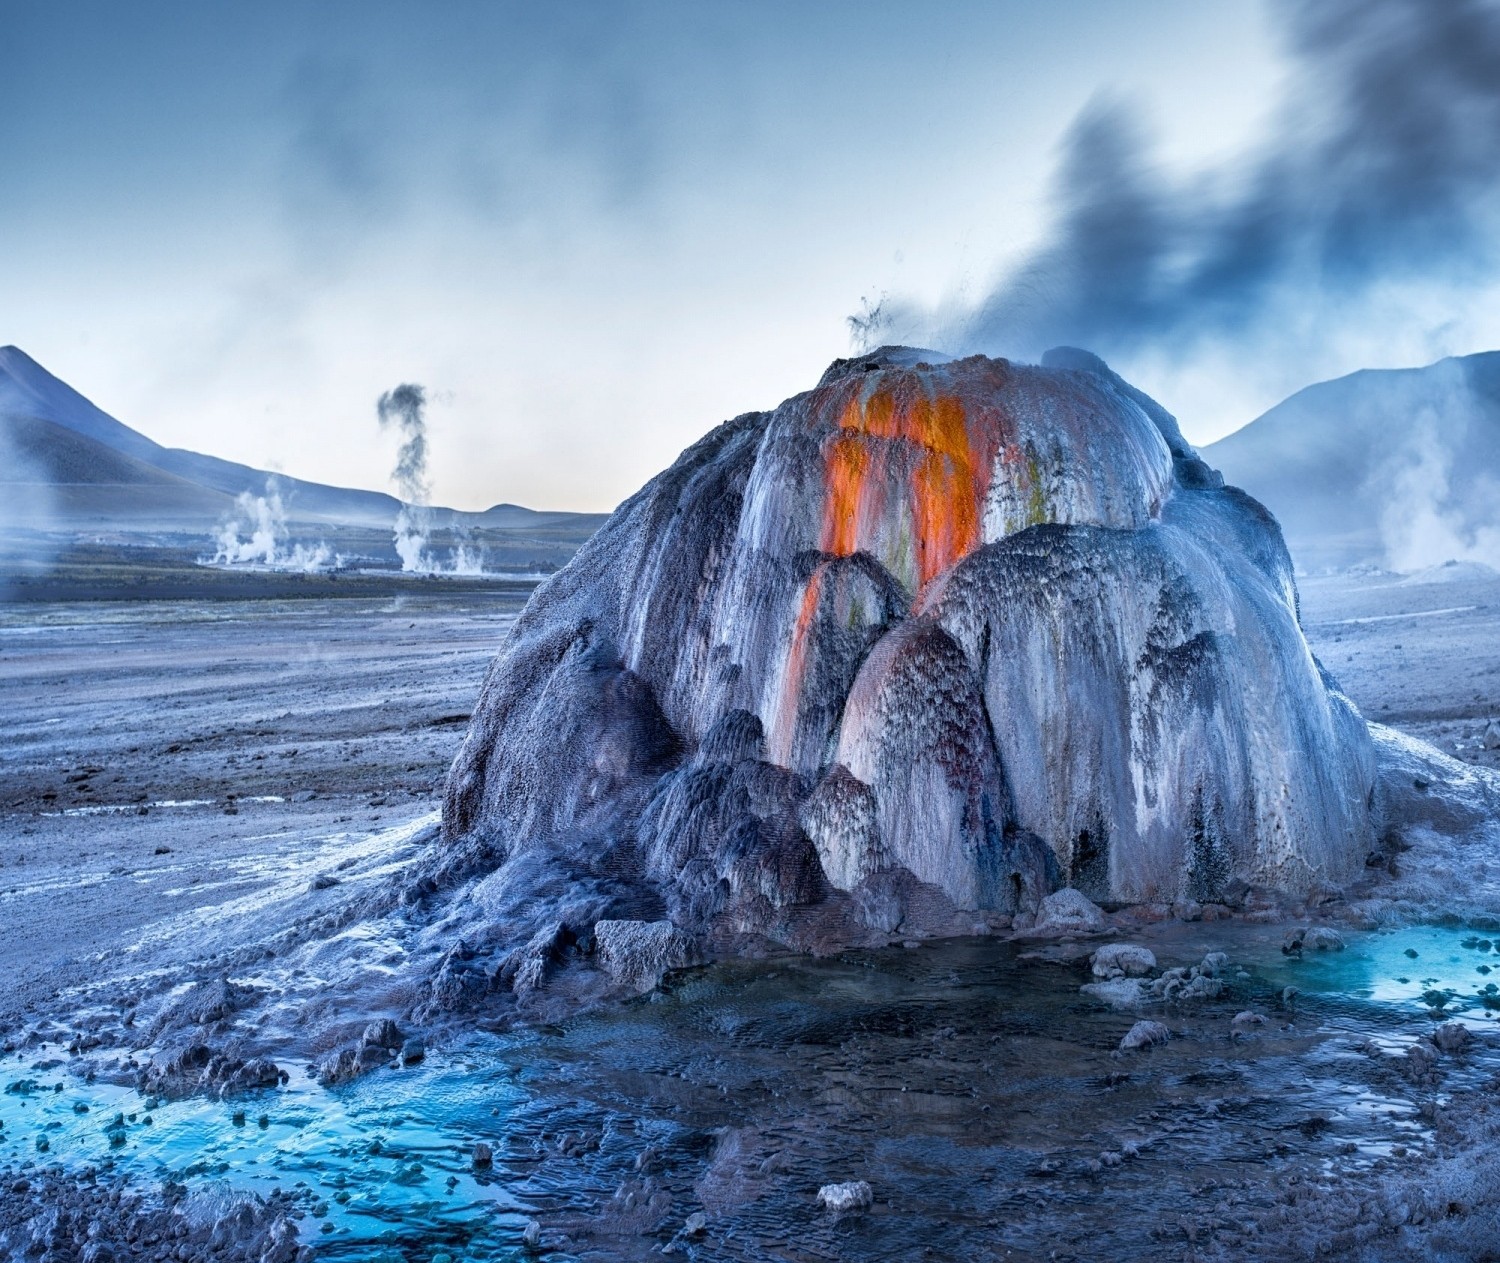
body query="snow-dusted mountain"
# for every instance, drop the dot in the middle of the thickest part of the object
(1400, 467)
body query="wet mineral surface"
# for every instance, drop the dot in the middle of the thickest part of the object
(981, 1094)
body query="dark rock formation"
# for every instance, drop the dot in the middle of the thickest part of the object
(901, 657)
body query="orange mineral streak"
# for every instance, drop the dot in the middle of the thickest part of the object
(898, 438)
(954, 454)
(785, 729)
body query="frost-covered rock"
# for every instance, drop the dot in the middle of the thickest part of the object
(1066, 910)
(638, 953)
(924, 643)
(1122, 960)
(1119, 993)
(1144, 1034)
(853, 1195)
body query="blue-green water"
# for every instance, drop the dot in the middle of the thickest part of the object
(969, 1082)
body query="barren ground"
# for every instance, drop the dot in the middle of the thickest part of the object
(285, 727)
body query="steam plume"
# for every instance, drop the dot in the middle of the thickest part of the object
(1385, 171)
(256, 534)
(404, 408)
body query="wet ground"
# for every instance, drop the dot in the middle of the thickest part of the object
(970, 1083)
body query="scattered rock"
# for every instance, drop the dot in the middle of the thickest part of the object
(1321, 938)
(383, 1034)
(1144, 1034)
(1068, 910)
(638, 953)
(1451, 1037)
(1122, 960)
(1119, 993)
(854, 1195)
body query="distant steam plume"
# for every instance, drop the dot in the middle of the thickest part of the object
(256, 534)
(404, 409)
(1384, 171)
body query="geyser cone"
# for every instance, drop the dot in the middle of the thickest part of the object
(914, 648)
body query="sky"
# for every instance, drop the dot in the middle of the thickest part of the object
(592, 231)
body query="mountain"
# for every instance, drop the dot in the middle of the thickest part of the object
(1395, 466)
(86, 479)
(93, 468)
(27, 390)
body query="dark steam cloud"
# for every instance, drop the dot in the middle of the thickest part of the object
(405, 408)
(1385, 169)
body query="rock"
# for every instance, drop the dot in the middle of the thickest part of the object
(483, 1157)
(638, 953)
(323, 881)
(1144, 1034)
(1068, 911)
(205, 1004)
(696, 1225)
(1323, 939)
(855, 1195)
(413, 1050)
(531, 1235)
(1451, 1037)
(1490, 738)
(1119, 993)
(1213, 964)
(383, 1034)
(1247, 1019)
(1122, 960)
(251, 1077)
(1421, 1060)
(962, 626)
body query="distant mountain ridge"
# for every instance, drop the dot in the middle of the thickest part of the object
(1395, 466)
(82, 451)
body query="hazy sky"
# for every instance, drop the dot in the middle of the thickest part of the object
(591, 231)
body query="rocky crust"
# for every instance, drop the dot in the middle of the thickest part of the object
(901, 658)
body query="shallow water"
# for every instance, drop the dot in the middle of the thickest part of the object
(969, 1082)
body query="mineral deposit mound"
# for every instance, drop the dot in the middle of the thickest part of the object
(911, 651)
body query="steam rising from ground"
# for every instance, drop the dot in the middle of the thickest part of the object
(256, 535)
(26, 511)
(405, 410)
(1435, 510)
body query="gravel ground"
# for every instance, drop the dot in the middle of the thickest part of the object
(1423, 657)
(287, 725)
